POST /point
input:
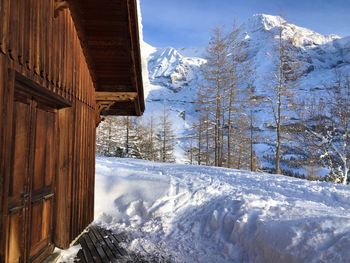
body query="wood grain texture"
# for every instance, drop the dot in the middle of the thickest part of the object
(45, 55)
(54, 62)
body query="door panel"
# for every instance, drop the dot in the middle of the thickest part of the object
(47, 218)
(50, 149)
(42, 185)
(39, 160)
(35, 227)
(15, 250)
(20, 144)
(41, 227)
(18, 197)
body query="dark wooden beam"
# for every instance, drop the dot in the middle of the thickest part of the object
(116, 96)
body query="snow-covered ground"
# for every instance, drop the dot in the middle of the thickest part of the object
(203, 214)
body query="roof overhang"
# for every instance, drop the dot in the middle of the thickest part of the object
(109, 32)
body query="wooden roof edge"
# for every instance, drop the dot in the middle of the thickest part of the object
(76, 16)
(135, 42)
(119, 112)
(116, 96)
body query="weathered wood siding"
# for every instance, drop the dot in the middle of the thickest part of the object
(47, 51)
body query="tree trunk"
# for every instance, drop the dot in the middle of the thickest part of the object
(207, 141)
(127, 137)
(279, 105)
(200, 141)
(251, 142)
(346, 172)
(278, 139)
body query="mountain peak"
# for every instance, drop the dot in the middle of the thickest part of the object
(304, 38)
(264, 21)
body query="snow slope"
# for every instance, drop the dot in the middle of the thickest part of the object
(204, 214)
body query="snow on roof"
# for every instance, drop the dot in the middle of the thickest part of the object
(144, 53)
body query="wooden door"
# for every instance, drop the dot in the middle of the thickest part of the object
(18, 197)
(32, 173)
(42, 181)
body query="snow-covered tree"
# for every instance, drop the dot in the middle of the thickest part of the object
(166, 137)
(285, 72)
(148, 137)
(108, 139)
(326, 129)
(213, 90)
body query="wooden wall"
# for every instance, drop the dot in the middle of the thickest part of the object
(47, 51)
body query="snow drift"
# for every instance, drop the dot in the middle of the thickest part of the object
(203, 214)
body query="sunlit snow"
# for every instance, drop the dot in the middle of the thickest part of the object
(203, 214)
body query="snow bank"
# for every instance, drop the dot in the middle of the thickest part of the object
(145, 50)
(202, 214)
(69, 254)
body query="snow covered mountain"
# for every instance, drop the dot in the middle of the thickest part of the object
(174, 78)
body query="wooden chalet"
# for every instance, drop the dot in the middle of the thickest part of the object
(62, 65)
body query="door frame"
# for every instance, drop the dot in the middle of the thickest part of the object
(17, 83)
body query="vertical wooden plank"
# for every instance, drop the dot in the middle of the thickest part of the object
(71, 55)
(32, 27)
(59, 57)
(66, 66)
(31, 34)
(70, 149)
(80, 176)
(81, 168)
(93, 139)
(75, 75)
(54, 53)
(92, 160)
(4, 25)
(42, 36)
(53, 40)
(13, 36)
(62, 237)
(37, 37)
(76, 164)
(3, 124)
(21, 31)
(83, 187)
(85, 166)
(7, 83)
(1, 23)
(27, 27)
(75, 170)
(49, 44)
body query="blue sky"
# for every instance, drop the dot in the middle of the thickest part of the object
(187, 23)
